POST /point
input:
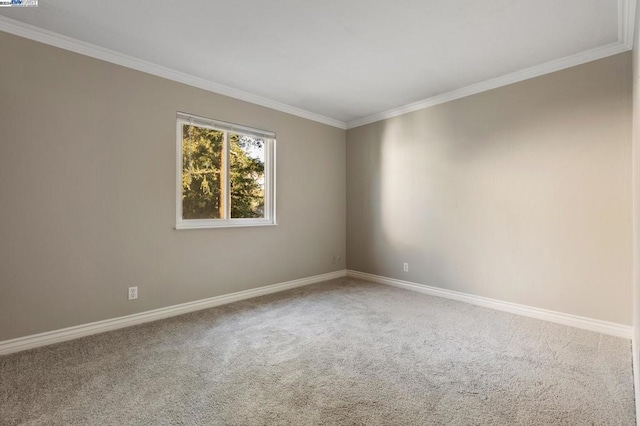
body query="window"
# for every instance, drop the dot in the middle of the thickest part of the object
(226, 174)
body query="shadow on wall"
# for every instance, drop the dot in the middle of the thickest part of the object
(521, 193)
(383, 204)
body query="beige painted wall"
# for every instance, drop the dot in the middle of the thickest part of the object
(87, 183)
(522, 193)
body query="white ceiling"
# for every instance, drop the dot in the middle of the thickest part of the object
(346, 60)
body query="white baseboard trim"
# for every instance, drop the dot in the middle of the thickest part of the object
(75, 332)
(613, 329)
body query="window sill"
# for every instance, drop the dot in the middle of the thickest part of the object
(221, 223)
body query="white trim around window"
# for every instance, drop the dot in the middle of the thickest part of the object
(227, 221)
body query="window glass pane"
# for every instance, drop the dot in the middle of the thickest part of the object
(246, 175)
(202, 173)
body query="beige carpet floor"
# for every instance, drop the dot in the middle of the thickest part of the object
(344, 352)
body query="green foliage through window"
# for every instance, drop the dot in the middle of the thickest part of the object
(246, 176)
(204, 174)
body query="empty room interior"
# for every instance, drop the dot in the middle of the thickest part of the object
(423, 212)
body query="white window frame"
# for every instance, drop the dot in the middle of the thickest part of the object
(269, 174)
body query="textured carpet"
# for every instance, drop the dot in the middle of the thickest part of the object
(344, 352)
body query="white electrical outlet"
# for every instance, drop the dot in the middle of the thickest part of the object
(405, 267)
(133, 293)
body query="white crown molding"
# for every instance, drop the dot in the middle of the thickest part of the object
(70, 333)
(525, 74)
(605, 327)
(626, 24)
(31, 32)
